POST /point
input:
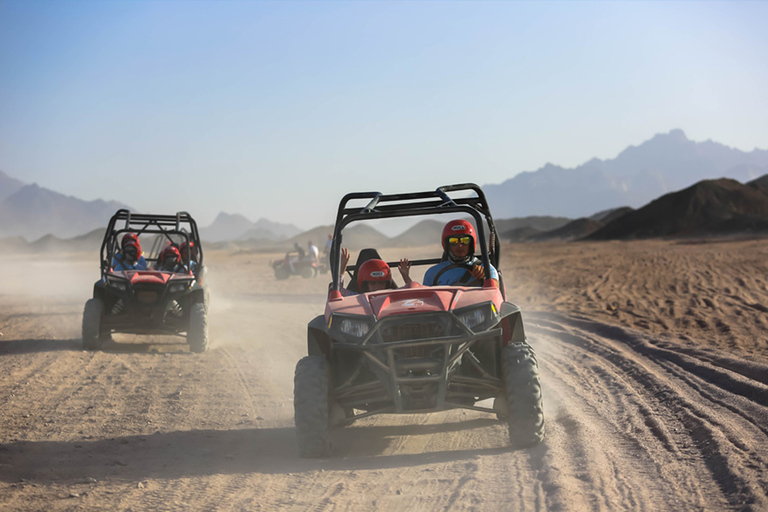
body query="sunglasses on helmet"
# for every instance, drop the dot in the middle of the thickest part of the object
(456, 240)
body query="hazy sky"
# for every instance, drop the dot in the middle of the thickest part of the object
(276, 109)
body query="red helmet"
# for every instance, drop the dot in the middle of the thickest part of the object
(169, 252)
(129, 237)
(458, 228)
(373, 270)
(132, 238)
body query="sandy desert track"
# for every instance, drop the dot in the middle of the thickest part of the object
(654, 364)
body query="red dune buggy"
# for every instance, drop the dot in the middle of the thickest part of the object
(151, 301)
(417, 349)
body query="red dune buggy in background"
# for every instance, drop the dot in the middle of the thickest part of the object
(149, 301)
(417, 349)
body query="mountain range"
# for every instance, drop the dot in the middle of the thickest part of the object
(236, 227)
(31, 211)
(722, 207)
(531, 205)
(639, 174)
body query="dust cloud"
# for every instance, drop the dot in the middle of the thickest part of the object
(46, 275)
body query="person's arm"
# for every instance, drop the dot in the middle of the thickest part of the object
(405, 271)
(343, 262)
(478, 272)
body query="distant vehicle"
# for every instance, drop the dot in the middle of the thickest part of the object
(149, 301)
(301, 266)
(417, 349)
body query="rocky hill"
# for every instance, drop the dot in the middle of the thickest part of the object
(709, 207)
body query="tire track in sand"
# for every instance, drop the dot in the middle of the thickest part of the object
(708, 452)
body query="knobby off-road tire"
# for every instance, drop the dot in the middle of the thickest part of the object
(311, 406)
(521, 382)
(92, 324)
(307, 272)
(197, 332)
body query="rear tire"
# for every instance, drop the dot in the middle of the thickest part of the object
(197, 332)
(311, 406)
(525, 412)
(307, 272)
(92, 324)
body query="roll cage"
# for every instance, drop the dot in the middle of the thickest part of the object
(443, 200)
(176, 229)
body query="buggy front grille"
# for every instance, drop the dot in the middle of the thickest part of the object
(147, 293)
(415, 352)
(145, 297)
(404, 332)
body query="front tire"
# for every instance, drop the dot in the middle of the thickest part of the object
(197, 332)
(281, 272)
(311, 406)
(91, 329)
(525, 412)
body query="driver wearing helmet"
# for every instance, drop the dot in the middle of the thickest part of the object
(460, 266)
(129, 257)
(170, 260)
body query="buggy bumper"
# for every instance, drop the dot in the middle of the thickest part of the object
(419, 375)
(144, 322)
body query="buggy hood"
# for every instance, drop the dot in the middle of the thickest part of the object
(149, 276)
(412, 301)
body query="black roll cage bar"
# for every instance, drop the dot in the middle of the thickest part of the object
(439, 201)
(147, 223)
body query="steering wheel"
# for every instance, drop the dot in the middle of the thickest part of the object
(467, 279)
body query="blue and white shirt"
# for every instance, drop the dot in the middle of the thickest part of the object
(118, 264)
(453, 276)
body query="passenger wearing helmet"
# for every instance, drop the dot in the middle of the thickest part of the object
(460, 266)
(373, 274)
(129, 257)
(188, 253)
(170, 260)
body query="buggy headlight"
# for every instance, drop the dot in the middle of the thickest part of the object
(478, 318)
(118, 284)
(354, 328)
(179, 287)
(473, 318)
(357, 328)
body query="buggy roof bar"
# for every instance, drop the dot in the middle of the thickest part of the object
(139, 218)
(465, 198)
(414, 200)
(165, 224)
